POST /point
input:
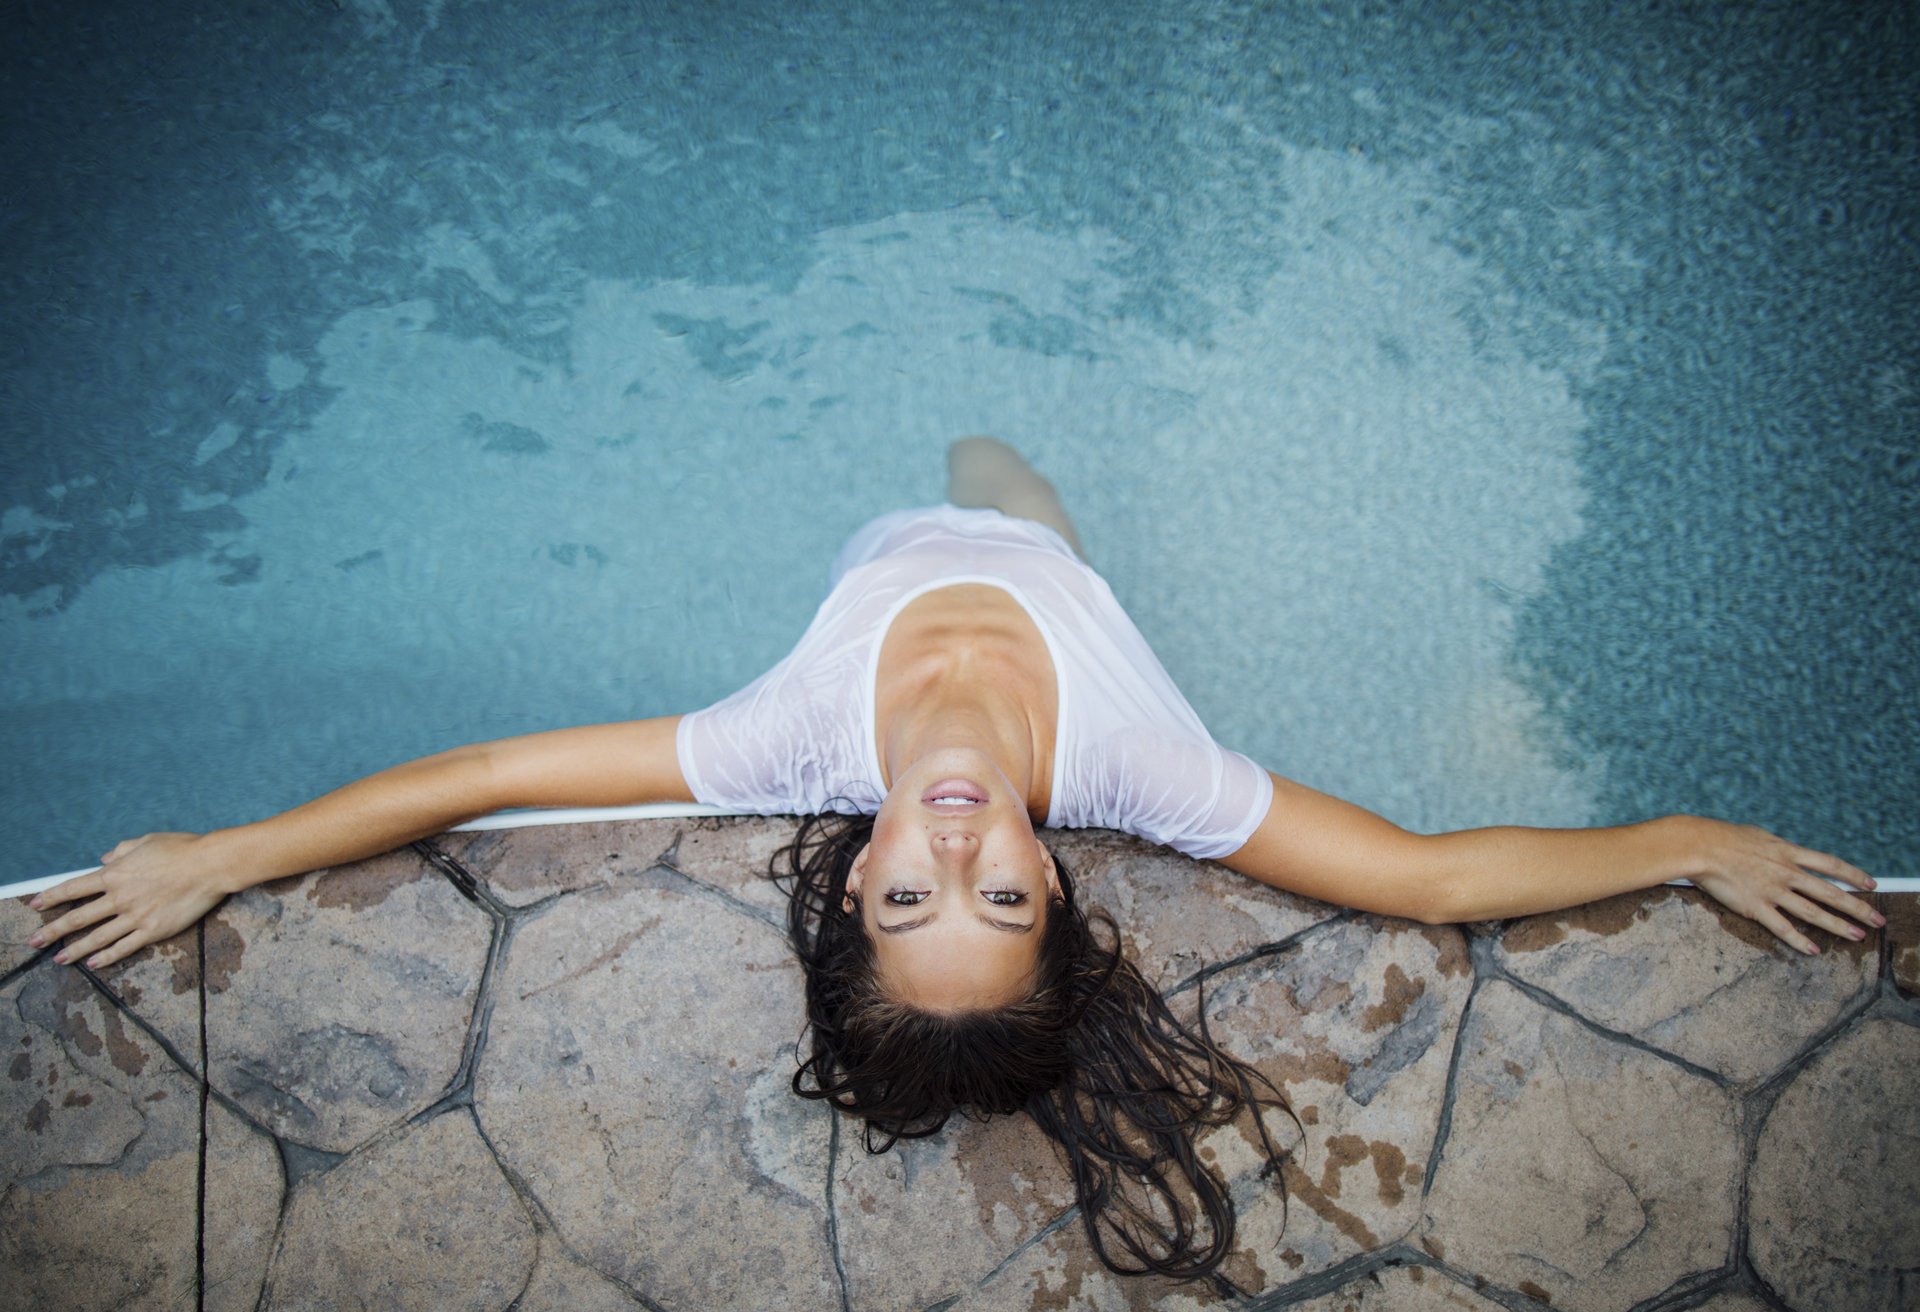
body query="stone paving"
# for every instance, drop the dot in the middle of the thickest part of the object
(548, 1069)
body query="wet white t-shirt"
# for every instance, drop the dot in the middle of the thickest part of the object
(1129, 752)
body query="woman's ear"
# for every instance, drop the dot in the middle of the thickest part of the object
(1053, 874)
(856, 876)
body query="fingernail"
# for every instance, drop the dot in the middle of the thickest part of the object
(1857, 934)
(1812, 949)
(35, 904)
(35, 941)
(61, 959)
(93, 963)
(1879, 919)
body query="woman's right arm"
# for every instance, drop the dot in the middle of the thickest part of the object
(151, 888)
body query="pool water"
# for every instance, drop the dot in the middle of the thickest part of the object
(1499, 415)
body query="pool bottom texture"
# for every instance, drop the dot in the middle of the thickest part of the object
(1494, 415)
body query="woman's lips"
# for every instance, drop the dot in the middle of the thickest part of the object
(975, 796)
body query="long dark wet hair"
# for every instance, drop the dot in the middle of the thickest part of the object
(1092, 1054)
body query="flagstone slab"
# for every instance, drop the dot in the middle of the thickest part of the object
(983, 1188)
(1579, 1171)
(161, 982)
(636, 1079)
(1061, 1274)
(1355, 1024)
(1735, 1301)
(422, 1218)
(1902, 911)
(351, 1010)
(18, 923)
(100, 1134)
(523, 866)
(245, 1187)
(1176, 914)
(1400, 1289)
(1725, 994)
(561, 1284)
(733, 854)
(1833, 1214)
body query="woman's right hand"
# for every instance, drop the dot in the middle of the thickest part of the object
(146, 889)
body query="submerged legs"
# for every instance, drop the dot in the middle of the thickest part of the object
(986, 472)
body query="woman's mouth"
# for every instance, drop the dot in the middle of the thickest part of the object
(955, 796)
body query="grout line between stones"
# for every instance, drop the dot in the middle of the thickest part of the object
(464, 880)
(1273, 949)
(833, 1211)
(200, 1183)
(460, 1087)
(119, 1004)
(1770, 1088)
(543, 1223)
(1322, 1283)
(7, 979)
(260, 1303)
(1761, 1290)
(1690, 1290)
(716, 893)
(1557, 1004)
(1479, 956)
(1039, 1236)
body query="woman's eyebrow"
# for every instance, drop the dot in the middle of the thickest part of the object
(1004, 926)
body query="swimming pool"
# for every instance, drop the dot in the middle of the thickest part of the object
(1495, 417)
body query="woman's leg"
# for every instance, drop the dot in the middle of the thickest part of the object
(986, 472)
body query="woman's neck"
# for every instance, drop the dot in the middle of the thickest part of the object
(965, 666)
(947, 713)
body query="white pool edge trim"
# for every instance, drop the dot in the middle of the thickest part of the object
(527, 818)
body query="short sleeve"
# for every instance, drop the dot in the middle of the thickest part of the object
(1192, 795)
(765, 751)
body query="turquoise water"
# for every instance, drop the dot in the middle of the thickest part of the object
(1501, 413)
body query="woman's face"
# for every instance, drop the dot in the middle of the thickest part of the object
(954, 888)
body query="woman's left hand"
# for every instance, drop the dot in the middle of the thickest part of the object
(1768, 879)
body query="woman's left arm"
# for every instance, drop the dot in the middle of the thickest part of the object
(1322, 847)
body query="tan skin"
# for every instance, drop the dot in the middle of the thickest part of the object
(965, 690)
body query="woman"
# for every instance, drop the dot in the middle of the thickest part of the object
(969, 677)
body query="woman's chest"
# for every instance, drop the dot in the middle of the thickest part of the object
(968, 644)
(967, 636)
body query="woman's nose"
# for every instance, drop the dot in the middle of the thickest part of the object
(953, 848)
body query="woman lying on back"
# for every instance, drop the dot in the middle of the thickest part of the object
(968, 678)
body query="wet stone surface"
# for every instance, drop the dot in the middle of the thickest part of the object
(632, 1141)
(419, 1219)
(356, 1008)
(562, 1284)
(101, 1152)
(1903, 939)
(1355, 1024)
(1835, 1215)
(244, 1190)
(636, 1080)
(18, 921)
(734, 855)
(1727, 996)
(1060, 1273)
(1401, 1289)
(1738, 1300)
(522, 866)
(985, 1188)
(1577, 1170)
(1178, 915)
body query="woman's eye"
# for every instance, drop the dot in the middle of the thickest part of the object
(905, 898)
(1005, 897)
